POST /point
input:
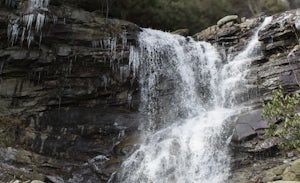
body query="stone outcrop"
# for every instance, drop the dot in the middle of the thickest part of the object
(66, 103)
(288, 172)
(278, 65)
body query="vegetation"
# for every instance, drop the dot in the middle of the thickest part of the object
(193, 14)
(175, 14)
(283, 108)
(255, 7)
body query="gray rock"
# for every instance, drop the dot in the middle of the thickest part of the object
(64, 50)
(182, 32)
(243, 132)
(55, 179)
(37, 181)
(229, 18)
(248, 124)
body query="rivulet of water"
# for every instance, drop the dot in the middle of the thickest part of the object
(186, 97)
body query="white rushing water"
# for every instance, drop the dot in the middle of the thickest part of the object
(185, 91)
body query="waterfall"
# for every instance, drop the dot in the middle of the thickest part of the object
(187, 96)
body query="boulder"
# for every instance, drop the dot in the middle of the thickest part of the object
(227, 19)
(248, 124)
(243, 132)
(182, 32)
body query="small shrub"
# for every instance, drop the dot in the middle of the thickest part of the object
(283, 108)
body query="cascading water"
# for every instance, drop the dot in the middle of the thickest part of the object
(186, 98)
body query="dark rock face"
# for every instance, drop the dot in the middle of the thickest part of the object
(248, 125)
(278, 65)
(72, 95)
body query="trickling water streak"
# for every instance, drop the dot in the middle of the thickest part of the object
(235, 71)
(182, 96)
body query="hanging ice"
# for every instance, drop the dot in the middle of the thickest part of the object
(13, 31)
(124, 42)
(35, 14)
(10, 3)
(39, 22)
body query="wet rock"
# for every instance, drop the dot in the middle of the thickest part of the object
(243, 132)
(248, 124)
(207, 34)
(55, 179)
(182, 32)
(68, 94)
(227, 19)
(37, 181)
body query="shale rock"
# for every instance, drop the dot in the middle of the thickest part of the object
(248, 125)
(66, 99)
(182, 32)
(228, 20)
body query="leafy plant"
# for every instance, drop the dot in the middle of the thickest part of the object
(283, 108)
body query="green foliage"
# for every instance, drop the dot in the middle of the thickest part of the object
(283, 108)
(172, 14)
(267, 6)
(193, 14)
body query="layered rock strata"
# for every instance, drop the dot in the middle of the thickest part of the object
(67, 101)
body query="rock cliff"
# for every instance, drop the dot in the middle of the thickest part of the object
(279, 65)
(67, 98)
(68, 102)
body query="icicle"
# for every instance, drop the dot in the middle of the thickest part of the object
(124, 42)
(43, 139)
(55, 19)
(297, 20)
(105, 80)
(35, 14)
(95, 43)
(101, 44)
(39, 22)
(23, 36)
(70, 66)
(30, 38)
(113, 48)
(134, 60)
(28, 20)
(14, 33)
(10, 3)
(41, 37)
(106, 43)
(9, 30)
(129, 99)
